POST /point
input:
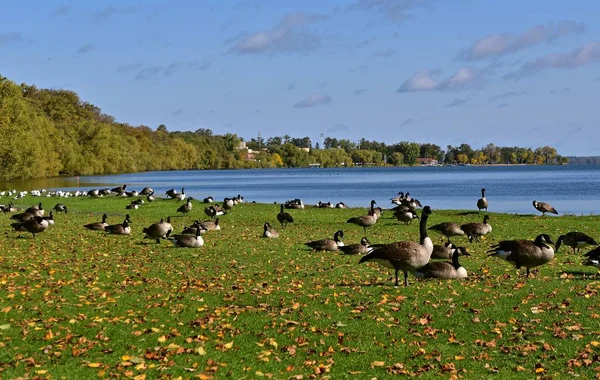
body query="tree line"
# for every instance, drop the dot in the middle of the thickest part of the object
(49, 133)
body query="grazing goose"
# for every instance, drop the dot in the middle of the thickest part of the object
(378, 211)
(327, 244)
(104, 191)
(11, 208)
(340, 205)
(475, 230)
(23, 217)
(119, 189)
(171, 193)
(210, 225)
(593, 258)
(365, 220)
(525, 253)
(443, 269)
(404, 256)
(59, 207)
(208, 200)
(482, 203)
(544, 207)
(356, 249)
(284, 217)
(448, 229)
(406, 216)
(34, 225)
(187, 207)
(160, 230)
(98, 226)
(146, 191)
(151, 198)
(214, 211)
(446, 251)
(188, 241)
(132, 193)
(227, 204)
(411, 204)
(36, 210)
(575, 240)
(270, 232)
(120, 229)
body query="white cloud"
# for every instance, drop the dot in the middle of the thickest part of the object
(395, 11)
(313, 100)
(424, 81)
(290, 35)
(585, 55)
(457, 102)
(499, 44)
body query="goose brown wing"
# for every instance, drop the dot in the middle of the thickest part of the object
(399, 251)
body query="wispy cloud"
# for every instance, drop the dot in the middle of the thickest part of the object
(145, 72)
(386, 53)
(585, 55)
(360, 91)
(457, 102)
(62, 10)
(395, 11)
(562, 91)
(407, 122)
(177, 112)
(130, 67)
(109, 12)
(290, 35)
(499, 44)
(86, 48)
(502, 105)
(424, 81)
(338, 128)
(576, 130)
(11, 37)
(291, 86)
(359, 68)
(313, 100)
(508, 95)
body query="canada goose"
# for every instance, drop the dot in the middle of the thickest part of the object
(132, 193)
(210, 225)
(186, 208)
(284, 217)
(171, 193)
(59, 207)
(104, 191)
(443, 269)
(327, 244)
(575, 240)
(406, 216)
(593, 258)
(23, 217)
(355, 249)
(132, 206)
(49, 218)
(11, 208)
(36, 210)
(482, 203)
(239, 198)
(119, 229)
(398, 198)
(448, 229)
(160, 230)
(180, 196)
(208, 200)
(295, 204)
(188, 241)
(34, 225)
(227, 204)
(214, 211)
(404, 256)
(98, 226)
(190, 230)
(150, 197)
(475, 230)
(270, 232)
(146, 191)
(324, 205)
(378, 211)
(447, 250)
(94, 193)
(119, 189)
(365, 220)
(340, 205)
(525, 253)
(544, 207)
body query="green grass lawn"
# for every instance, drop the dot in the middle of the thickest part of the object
(81, 304)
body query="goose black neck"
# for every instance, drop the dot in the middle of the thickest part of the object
(455, 263)
(482, 193)
(281, 207)
(423, 227)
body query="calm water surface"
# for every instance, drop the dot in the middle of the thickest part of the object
(570, 189)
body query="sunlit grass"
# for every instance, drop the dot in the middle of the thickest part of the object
(81, 304)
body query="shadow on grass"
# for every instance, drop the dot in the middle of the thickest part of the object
(579, 275)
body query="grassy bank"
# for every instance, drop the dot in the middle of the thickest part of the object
(81, 304)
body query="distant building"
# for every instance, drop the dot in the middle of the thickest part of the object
(427, 161)
(241, 145)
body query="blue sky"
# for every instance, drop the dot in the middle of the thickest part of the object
(517, 73)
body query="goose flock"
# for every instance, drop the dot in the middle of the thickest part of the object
(408, 257)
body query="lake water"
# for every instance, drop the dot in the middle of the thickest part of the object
(570, 189)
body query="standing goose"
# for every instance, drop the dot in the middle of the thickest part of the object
(365, 220)
(94, 193)
(23, 217)
(327, 244)
(356, 249)
(404, 256)
(188, 241)
(405, 216)
(180, 196)
(446, 251)
(592, 258)
(150, 197)
(34, 225)
(120, 229)
(270, 232)
(525, 253)
(482, 203)
(475, 230)
(443, 269)
(284, 217)
(448, 229)
(98, 226)
(227, 204)
(147, 191)
(11, 208)
(398, 198)
(209, 225)
(160, 230)
(214, 211)
(544, 207)
(575, 240)
(187, 207)
(59, 207)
